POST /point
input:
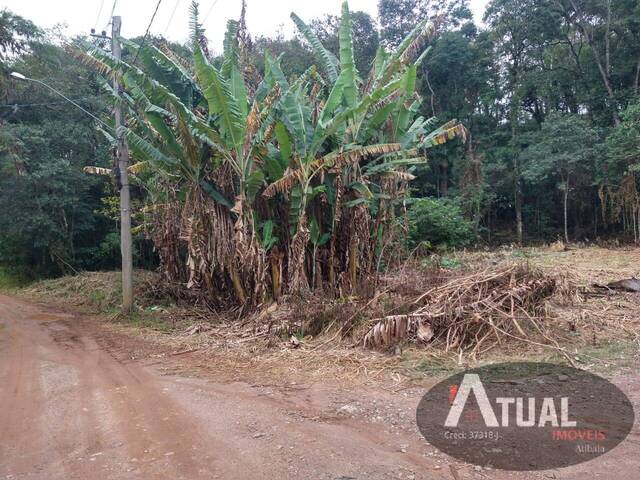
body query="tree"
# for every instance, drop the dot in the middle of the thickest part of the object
(15, 34)
(398, 17)
(56, 210)
(619, 170)
(623, 143)
(451, 83)
(521, 31)
(563, 150)
(44, 144)
(611, 30)
(294, 56)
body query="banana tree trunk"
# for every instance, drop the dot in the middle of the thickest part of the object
(353, 264)
(337, 211)
(296, 267)
(275, 261)
(237, 284)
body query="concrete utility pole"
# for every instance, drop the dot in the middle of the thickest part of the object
(122, 158)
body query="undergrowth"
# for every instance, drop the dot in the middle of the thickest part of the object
(10, 282)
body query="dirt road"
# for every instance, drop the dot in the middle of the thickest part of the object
(75, 406)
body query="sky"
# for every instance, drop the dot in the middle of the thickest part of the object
(264, 17)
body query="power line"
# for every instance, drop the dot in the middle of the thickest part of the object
(209, 11)
(113, 9)
(99, 12)
(144, 39)
(171, 17)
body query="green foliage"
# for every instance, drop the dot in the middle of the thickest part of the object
(9, 279)
(294, 56)
(439, 222)
(326, 59)
(364, 33)
(449, 263)
(55, 200)
(16, 33)
(48, 220)
(331, 127)
(562, 148)
(399, 17)
(620, 153)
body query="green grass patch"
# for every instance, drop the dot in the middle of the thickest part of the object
(93, 292)
(442, 261)
(524, 254)
(101, 293)
(429, 367)
(450, 263)
(153, 321)
(10, 282)
(605, 358)
(612, 355)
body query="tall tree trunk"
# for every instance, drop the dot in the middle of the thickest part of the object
(444, 178)
(607, 85)
(565, 202)
(604, 66)
(514, 115)
(517, 187)
(518, 206)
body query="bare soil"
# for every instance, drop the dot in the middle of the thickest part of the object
(79, 400)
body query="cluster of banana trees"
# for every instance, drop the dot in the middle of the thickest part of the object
(262, 185)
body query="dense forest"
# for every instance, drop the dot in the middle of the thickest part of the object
(548, 92)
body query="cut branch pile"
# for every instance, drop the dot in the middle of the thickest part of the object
(471, 312)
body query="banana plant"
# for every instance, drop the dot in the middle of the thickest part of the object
(356, 125)
(273, 183)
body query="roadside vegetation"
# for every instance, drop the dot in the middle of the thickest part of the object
(309, 339)
(548, 95)
(323, 191)
(8, 281)
(260, 186)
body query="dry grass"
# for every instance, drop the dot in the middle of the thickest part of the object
(598, 316)
(597, 327)
(309, 338)
(96, 292)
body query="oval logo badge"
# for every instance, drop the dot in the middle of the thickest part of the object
(525, 416)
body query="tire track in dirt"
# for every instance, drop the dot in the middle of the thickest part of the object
(21, 397)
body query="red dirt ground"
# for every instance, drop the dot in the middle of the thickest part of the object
(74, 404)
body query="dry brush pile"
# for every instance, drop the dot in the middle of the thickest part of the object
(473, 312)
